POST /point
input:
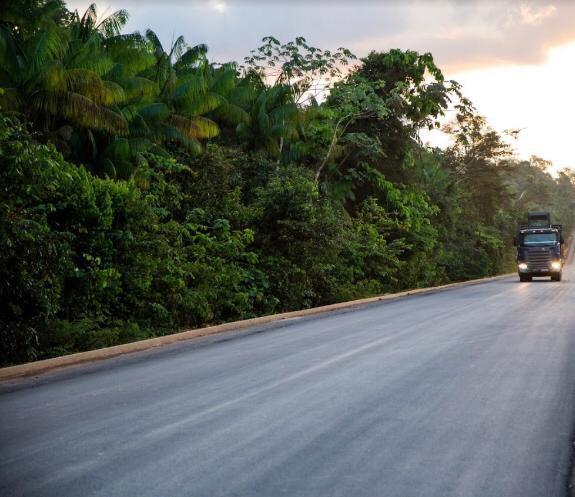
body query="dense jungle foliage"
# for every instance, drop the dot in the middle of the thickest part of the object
(146, 189)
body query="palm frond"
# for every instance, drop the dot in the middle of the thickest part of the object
(132, 53)
(85, 112)
(191, 57)
(113, 94)
(113, 24)
(45, 102)
(190, 88)
(242, 95)
(207, 127)
(224, 82)
(196, 127)
(167, 133)
(52, 78)
(154, 40)
(231, 114)
(88, 20)
(86, 83)
(92, 61)
(129, 41)
(154, 112)
(283, 113)
(48, 45)
(137, 87)
(202, 105)
(178, 48)
(263, 120)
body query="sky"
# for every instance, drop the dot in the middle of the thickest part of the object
(515, 59)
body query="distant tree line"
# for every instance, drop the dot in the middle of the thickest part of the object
(145, 189)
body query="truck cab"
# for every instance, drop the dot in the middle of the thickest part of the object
(539, 248)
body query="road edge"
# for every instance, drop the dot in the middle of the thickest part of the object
(43, 366)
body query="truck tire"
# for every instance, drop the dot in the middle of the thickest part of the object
(556, 277)
(524, 277)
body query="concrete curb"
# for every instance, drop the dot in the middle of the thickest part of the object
(38, 367)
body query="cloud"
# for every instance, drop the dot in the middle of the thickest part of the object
(461, 35)
(218, 6)
(476, 34)
(534, 16)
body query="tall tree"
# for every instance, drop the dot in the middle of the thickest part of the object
(56, 76)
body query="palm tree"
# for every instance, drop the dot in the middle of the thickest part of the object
(193, 93)
(56, 76)
(177, 98)
(107, 98)
(274, 121)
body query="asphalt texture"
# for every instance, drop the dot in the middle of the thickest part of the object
(465, 392)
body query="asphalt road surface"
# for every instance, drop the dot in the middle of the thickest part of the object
(466, 392)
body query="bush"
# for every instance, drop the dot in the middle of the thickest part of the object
(88, 262)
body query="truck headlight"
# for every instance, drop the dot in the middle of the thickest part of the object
(556, 265)
(522, 266)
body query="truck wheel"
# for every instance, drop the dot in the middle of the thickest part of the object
(556, 277)
(524, 277)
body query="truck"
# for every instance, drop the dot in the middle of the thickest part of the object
(540, 247)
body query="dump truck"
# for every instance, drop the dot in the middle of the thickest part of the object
(540, 247)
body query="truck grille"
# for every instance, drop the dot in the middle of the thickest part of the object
(538, 259)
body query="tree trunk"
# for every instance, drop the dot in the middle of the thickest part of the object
(333, 143)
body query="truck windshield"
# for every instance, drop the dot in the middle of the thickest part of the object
(539, 238)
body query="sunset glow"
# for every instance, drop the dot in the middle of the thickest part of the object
(533, 98)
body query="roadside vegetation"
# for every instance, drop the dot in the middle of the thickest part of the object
(145, 188)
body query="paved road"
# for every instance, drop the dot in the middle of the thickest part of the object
(467, 392)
